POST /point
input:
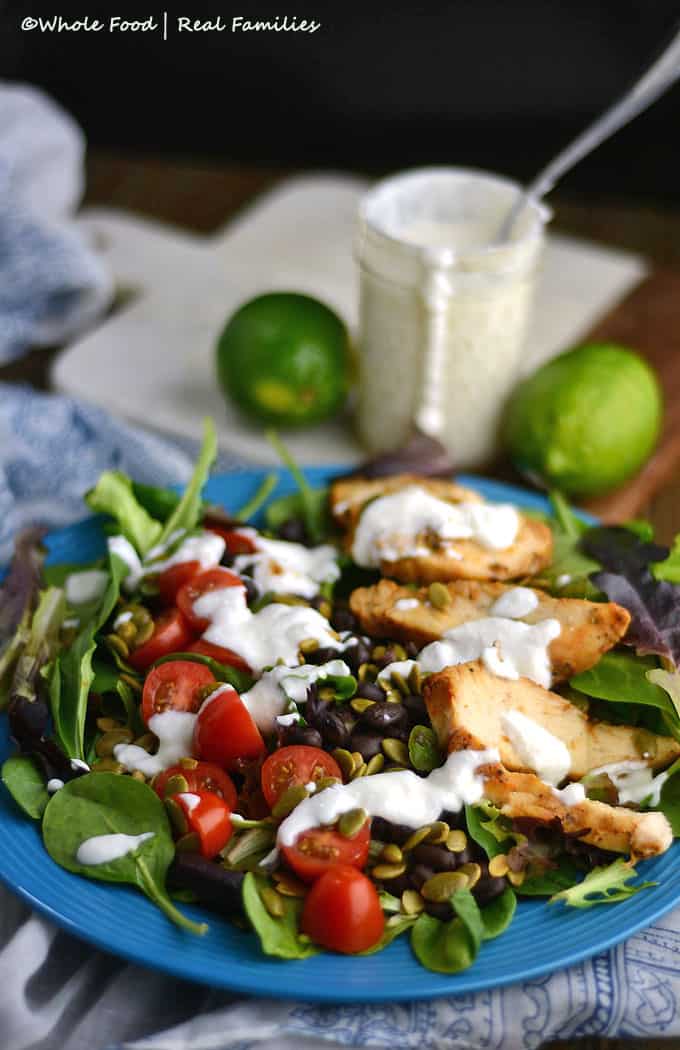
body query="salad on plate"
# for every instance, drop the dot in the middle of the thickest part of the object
(391, 708)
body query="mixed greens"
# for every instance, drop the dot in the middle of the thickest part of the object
(87, 678)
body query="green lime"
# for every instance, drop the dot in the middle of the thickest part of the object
(586, 421)
(284, 359)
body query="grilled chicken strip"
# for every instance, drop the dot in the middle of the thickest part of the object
(589, 629)
(466, 705)
(609, 827)
(530, 552)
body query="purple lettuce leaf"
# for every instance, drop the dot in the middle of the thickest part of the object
(19, 594)
(626, 578)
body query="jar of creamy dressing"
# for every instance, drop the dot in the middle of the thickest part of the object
(443, 309)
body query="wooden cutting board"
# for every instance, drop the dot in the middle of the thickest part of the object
(648, 319)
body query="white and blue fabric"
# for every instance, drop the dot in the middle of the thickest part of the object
(52, 284)
(59, 994)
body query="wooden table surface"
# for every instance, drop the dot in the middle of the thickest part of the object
(202, 197)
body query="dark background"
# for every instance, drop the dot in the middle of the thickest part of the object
(500, 84)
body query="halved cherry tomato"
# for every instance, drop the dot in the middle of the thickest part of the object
(170, 580)
(203, 776)
(178, 685)
(202, 583)
(207, 816)
(236, 542)
(225, 733)
(219, 653)
(342, 911)
(171, 634)
(320, 849)
(293, 765)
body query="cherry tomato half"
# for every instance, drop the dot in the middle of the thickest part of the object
(236, 542)
(202, 583)
(318, 850)
(218, 653)
(342, 911)
(225, 732)
(207, 816)
(203, 776)
(178, 685)
(170, 580)
(293, 765)
(171, 634)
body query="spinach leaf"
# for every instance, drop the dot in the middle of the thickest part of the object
(311, 504)
(498, 914)
(423, 749)
(604, 885)
(278, 936)
(26, 785)
(105, 804)
(72, 675)
(620, 677)
(187, 513)
(240, 680)
(113, 494)
(449, 947)
(552, 880)
(487, 827)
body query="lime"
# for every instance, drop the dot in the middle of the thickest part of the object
(283, 358)
(586, 421)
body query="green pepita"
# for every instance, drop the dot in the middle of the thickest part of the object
(107, 765)
(415, 680)
(396, 750)
(308, 645)
(411, 902)
(106, 743)
(288, 885)
(473, 872)
(498, 866)
(272, 901)
(177, 816)
(344, 760)
(438, 595)
(118, 645)
(176, 785)
(327, 692)
(326, 782)
(400, 683)
(351, 822)
(138, 775)
(147, 741)
(132, 681)
(391, 854)
(361, 704)
(360, 770)
(441, 887)
(385, 872)
(128, 632)
(287, 802)
(439, 832)
(107, 724)
(188, 762)
(415, 838)
(456, 841)
(367, 672)
(144, 633)
(375, 765)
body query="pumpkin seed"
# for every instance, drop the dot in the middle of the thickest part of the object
(516, 878)
(325, 609)
(360, 771)
(441, 887)
(308, 645)
(358, 760)
(416, 838)
(392, 854)
(401, 684)
(177, 816)
(344, 760)
(327, 692)
(439, 832)
(378, 652)
(106, 743)
(326, 782)
(473, 872)
(272, 902)
(392, 696)
(145, 741)
(188, 843)
(361, 704)
(107, 724)
(144, 633)
(456, 841)
(176, 785)
(107, 765)
(138, 775)
(351, 822)
(396, 750)
(132, 681)
(438, 595)
(415, 682)
(498, 865)
(127, 631)
(385, 872)
(287, 802)
(399, 652)
(118, 645)
(140, 615)
(188, 763)
(288, 885)
(375, 765)
(411, 902)
(367, 672)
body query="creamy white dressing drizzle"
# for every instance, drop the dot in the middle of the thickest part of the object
(402, 667)
(393, 526)
(570, 795)
(122, 618)
(634, 781)
(175, 732)
(189, 799)
(507, 648)
(264, 638)
(206, 548)
(515, 603)
(536, 747)
(86, 586)
(269, 697)
(407, 603)
(401, 797)
(563, 580)
(288, 720)
(281, 567)
(54, 785)
(77, 763)
(102, 849)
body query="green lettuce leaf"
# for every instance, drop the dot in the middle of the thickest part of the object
(669, 568)
(621, 677)
(188, 512)
(113, 494)
(278, 936)
(605, 885)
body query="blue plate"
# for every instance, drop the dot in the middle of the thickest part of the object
(541, 938)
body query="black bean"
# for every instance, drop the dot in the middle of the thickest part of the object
(411, 650)
(398, 885)
(388, 657)
(488, 888)
(436, 857)
(294, 531)
(322, 655)
(335, 725)
(252, 591)
(384, 716)
(367, 744)
(297, 734)
(415, 707)
(343, 620)
(453, 819)
(214, 886)
(356, 655)
(370, 691)
(438, 910)
(419, 875)
(385, 831)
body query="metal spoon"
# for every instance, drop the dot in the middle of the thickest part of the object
(663, 72)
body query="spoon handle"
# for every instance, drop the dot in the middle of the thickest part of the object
(657, 79)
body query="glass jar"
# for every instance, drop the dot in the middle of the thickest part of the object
(443, 309)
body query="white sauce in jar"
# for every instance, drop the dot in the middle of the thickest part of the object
(102, 849)
(268, 698)
(397, 525)
(537, 748)
(280, 567)
(401, 797)
(86, 586)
